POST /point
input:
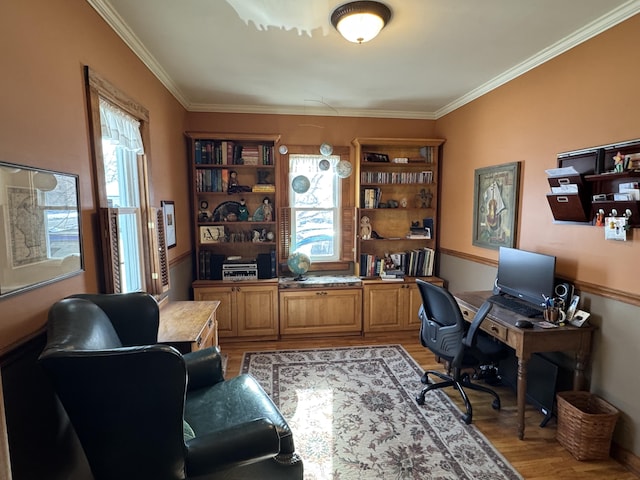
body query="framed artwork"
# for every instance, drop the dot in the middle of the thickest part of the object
(169, 212)
(40, 240)
(495, 205)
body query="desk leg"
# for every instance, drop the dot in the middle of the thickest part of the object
(582, 360)
(522, 394)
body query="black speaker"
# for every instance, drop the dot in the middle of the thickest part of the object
(216, 267)
(564, 291)
(266, 265)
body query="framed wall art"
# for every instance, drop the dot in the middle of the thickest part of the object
(169, 212)
(495, 205)
(40, 240)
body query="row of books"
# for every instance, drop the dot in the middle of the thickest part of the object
(212, 180)
(215, 152)
(397, 177)
(413, 263)
(370, 198)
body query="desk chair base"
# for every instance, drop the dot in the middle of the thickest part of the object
(450, 381)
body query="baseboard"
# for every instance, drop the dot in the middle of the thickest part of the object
(626, 458)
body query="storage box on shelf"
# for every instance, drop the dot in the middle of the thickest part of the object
(398, 200)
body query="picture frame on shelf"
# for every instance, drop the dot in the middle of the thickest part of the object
(495, 205)
(169, 212)
(212, 234)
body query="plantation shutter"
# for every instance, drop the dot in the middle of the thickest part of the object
(159, 262)
(284, 233)
(348, 221)
(110, 250)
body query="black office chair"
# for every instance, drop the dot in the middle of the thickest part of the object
(445, 332)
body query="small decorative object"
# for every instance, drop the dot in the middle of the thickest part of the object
(300, 184)
(267, 209)
(324, 164)
(365, 228)
(618, 162)
(256, 236)
(265, 177)
(392, 204)
(203, 214)
(212, 234)
(299, 264)
(270, 236)
(326, 149)
(424, 198)
(344, 169)
(403, 202)
(283, 149)
(243, 211)
(233, 178)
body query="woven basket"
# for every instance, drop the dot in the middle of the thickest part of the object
(585, 425)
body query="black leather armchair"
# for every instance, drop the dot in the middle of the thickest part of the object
(449, 336)
(144, 411)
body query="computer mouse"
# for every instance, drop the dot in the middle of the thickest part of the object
(524, 324)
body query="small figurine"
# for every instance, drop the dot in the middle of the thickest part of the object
(243, 211)
(365, 228)
(619, 162)
(267, 209)
(233, 178)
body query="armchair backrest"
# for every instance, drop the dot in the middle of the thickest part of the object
(442, 326)
(126, 403)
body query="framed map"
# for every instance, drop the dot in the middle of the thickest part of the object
(40, 234)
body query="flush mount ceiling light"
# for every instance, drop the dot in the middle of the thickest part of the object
(359, 22)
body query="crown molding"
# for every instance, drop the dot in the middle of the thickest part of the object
(113, 19)
(589, 31)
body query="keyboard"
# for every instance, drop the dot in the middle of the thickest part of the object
(515, 305)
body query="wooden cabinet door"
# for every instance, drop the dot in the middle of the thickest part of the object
(413, 303)
(225, 315)
(257, 310)
(321, 311)
(384, 307)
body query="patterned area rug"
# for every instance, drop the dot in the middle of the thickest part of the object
(353, 414)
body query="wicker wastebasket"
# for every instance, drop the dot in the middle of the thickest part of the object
(585, 424)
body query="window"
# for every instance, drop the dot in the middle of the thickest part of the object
(132, 233)
(315, 214)
(320, 221)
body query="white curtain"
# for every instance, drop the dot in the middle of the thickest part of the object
(120, 128)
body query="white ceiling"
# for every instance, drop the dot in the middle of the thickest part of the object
(433, 57)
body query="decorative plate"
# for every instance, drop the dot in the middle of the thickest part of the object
(324, 164)
(343, 169)
(225, 212)
(300, 184)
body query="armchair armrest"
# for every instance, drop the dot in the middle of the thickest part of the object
(239, 445)
(204, 368)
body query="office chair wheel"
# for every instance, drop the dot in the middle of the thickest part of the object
(420, 399)
(495, 404)
(466, 418)
(425, 379)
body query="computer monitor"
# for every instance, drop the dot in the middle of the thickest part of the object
(526, 275)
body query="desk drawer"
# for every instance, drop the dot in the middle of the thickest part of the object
(495, 329)
(492, 328)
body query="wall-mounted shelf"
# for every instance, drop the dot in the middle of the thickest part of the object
(596, 176)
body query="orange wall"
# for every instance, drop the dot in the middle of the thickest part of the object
(43, 123)
(586, 97)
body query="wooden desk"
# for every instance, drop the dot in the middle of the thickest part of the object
(500, 324)
(189, 326)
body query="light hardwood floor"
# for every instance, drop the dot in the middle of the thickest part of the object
(538, 457)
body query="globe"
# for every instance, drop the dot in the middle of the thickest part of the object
(299, 264)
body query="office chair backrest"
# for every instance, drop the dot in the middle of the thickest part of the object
(442, 326)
